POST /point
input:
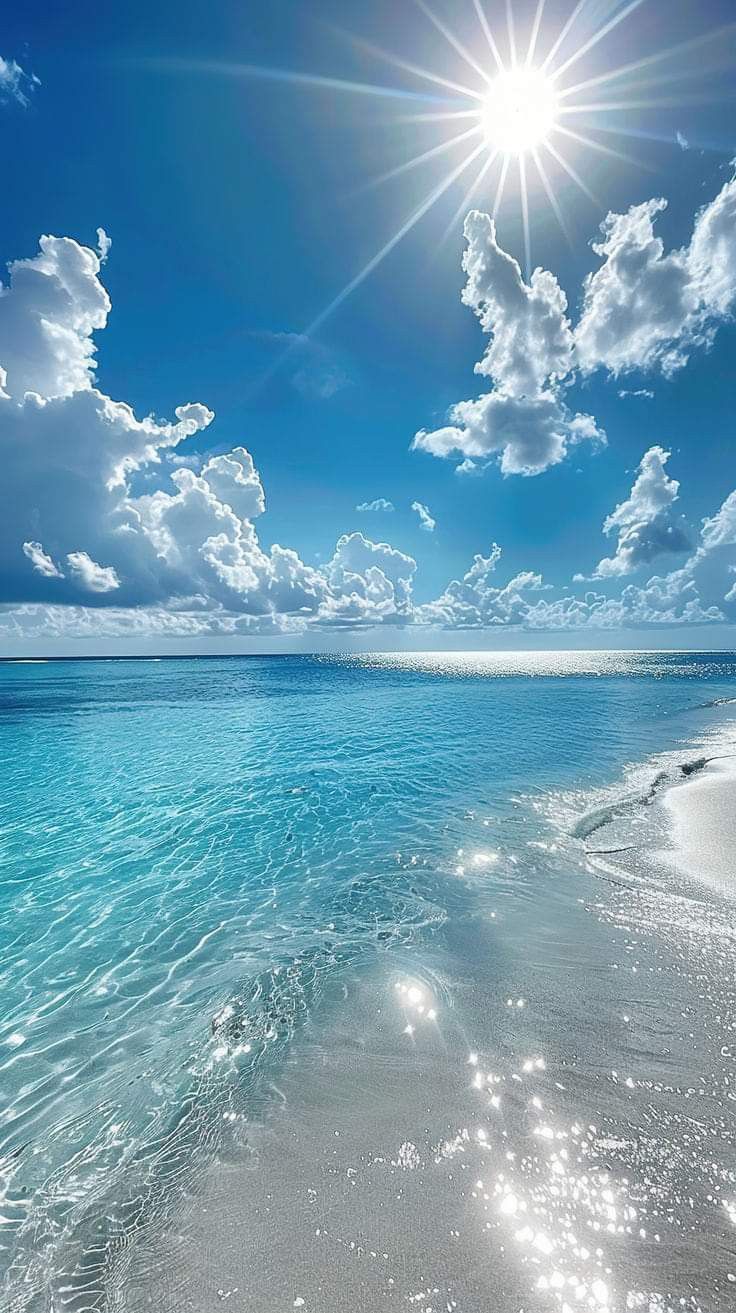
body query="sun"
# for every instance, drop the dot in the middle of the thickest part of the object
(514, 106)
(519, 113)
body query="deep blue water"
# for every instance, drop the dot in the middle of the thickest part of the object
(183, 837)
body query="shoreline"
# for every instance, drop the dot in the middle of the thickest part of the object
(390, 1171)
(702, 816)
(453, 1119)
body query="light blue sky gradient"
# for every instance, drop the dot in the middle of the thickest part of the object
(238, 206)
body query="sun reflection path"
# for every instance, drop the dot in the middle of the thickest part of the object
(555, 1207)
(553, 1204)
(558, 1212)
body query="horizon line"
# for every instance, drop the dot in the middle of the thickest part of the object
(429, 651)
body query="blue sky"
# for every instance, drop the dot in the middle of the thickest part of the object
(239, 204)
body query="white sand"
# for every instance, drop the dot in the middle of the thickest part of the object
(703, 813)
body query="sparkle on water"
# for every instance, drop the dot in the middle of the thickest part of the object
(321, 988)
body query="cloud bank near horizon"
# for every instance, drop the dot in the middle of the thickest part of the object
(84, 552)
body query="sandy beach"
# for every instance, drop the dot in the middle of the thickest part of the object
(703, 815)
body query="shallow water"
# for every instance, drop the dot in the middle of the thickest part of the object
(270, 924)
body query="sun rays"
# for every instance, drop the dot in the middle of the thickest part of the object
(523, 110)
(516, 106)
(522, 93)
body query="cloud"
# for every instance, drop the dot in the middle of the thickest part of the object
(644, 522)
(314, 373)
(15, 84)
(356, 557)
(665, 600)
(65, 463)
(524, 419)
(530, 336)
(380, 504)
(54, 303)
(51, 622)
(645, 309)
(475, 602)
(41, 561)
(693, 594)
(234, 479)
(84, 551)
(69, 455)
(103, 244)
(320, 380)
(524, 603)
(720, 529)
(682, 141)
(204, 542)
(95, 578)
(91, 576)
(427, 521)
(531, 433)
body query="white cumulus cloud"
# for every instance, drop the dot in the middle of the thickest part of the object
(69, 456)
(646, 308)
(41, 561)
(369, 582)
(85, 550)
(643, 309)
(524, 420)
(378, 504)
(233, 478)
(54, 303)
(644, 522)
(426, 519)
(476, 602)
(95, 578)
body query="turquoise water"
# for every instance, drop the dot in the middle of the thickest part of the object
(198, 857)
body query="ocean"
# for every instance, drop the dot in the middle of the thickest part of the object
(363, 983)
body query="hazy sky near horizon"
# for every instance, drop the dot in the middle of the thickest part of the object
(346, 324)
